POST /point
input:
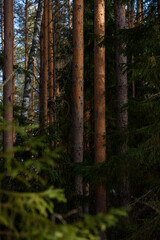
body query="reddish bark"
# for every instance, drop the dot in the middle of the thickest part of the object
(77, 90)
(99, 99)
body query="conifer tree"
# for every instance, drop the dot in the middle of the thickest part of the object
(99, 99)
(8, 71)
(77, 90)
(122, 97)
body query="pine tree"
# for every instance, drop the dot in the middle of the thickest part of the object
(77, 90)
(8, 71)
(122, 97)
(99, 98)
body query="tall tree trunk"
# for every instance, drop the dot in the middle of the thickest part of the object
(34, 77)
(139, 11)
(132, 26)
(69, 11)
(50, 60)
(32, 55)
(13, 80)
(77, 90)
(122, 97)
(8, 70)
(44, 76)
(99, 100)
(2, 25)
(26, 34)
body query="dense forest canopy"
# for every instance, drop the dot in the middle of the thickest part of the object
(80, 119)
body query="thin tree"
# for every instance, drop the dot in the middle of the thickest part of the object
(77, 90)
(70, 16)
(50, 59)
(132, 26)
(2, 25)
(8, 71)
(26, 34)
(99, 100)
(139, 11)
(32, 55)
(122, 96)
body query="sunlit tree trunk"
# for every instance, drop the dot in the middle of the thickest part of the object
(122, 97)
(129, 14)
(8, 70)
(139, 11)
(77, 90)
(99, 100)
(70, 16)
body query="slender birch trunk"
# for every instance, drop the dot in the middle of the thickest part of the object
(77, 91)
(32, 55)
(8, 70)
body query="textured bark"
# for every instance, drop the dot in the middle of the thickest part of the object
(99, 100)
(77, 90)
(33, 89)
(122, 96)
(139, 11)
(69, 11)
(50, 60)
(8, 70)
(32, 55)
(26, 34)
(41, 72)
(2, 25)
(34, 80)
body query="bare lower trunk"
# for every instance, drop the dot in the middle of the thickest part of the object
(50, 61)
(32, 55)
(77, 91)
(99, 101)
(122, 97)
(2, 25)
(8, 70)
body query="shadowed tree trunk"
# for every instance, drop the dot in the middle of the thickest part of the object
(77, 91)
(2, 25)
(158, 6)
(122, 98)
(8, 70)
(50, 60)
(132, 26)
(32, 55)
(44, 68)
(99, 101)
